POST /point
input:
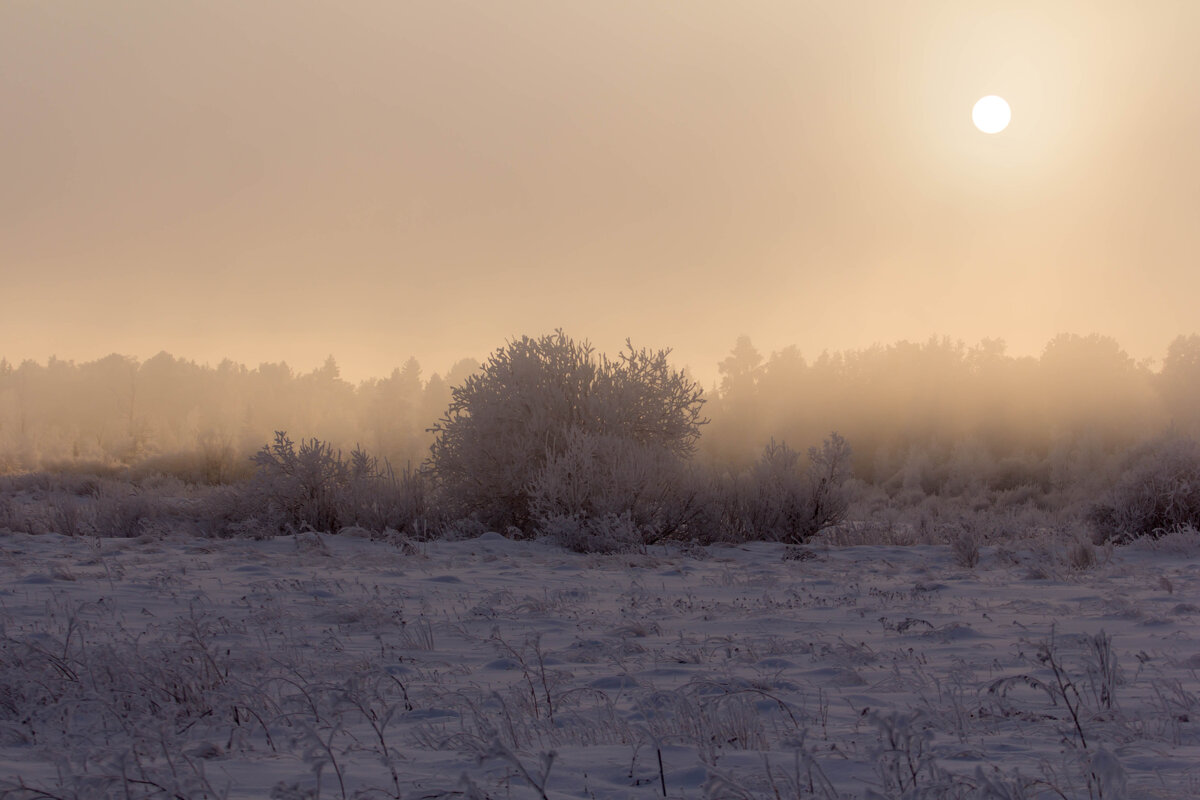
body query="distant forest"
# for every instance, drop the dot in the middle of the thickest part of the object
(927, 415)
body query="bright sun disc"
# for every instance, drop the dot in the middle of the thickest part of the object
(991, 114)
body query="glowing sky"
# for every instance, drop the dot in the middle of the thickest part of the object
(285, 180)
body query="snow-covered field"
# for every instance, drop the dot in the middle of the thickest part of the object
(339, 666)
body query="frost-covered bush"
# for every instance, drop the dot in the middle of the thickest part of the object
(314, 487)
(378, 498)
(126, 511)
(531, 401)
(603, 533)
(1158, 492)
(779, 499)
(302, 485)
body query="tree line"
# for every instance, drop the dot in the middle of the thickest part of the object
(921, 413)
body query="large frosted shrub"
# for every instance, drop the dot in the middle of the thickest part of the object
(533, 399)
(1158, 492)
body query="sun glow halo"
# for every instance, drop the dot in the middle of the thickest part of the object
(991, 114)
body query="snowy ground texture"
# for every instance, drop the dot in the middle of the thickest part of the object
(341, 666)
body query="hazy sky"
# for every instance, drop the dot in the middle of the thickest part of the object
(285, 180)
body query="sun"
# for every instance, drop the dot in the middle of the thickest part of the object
(991, 114)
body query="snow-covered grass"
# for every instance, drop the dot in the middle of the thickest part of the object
(349, 666)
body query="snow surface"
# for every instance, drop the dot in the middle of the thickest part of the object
(286, 667)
